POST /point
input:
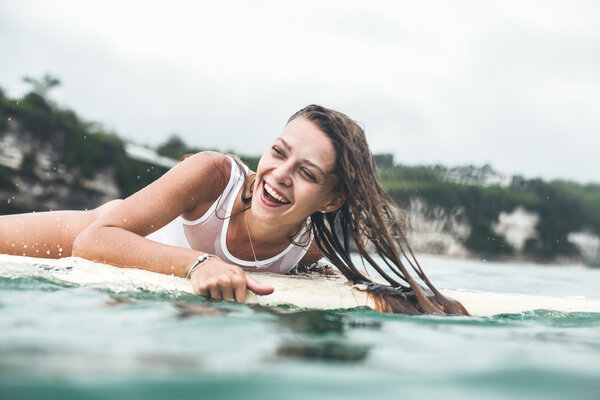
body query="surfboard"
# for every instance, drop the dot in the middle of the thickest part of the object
(314, 291)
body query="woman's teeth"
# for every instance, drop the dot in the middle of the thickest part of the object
(274, 194)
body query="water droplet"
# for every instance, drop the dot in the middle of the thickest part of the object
(60, 250)
(138, 177)
(25, 246)
(48, 252)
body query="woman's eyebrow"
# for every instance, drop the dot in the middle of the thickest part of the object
(285, 144)
(315, 166)
(310, 163)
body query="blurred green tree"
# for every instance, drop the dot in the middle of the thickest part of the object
(44, 85)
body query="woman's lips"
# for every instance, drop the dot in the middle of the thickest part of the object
(275, 193)
(269, 200)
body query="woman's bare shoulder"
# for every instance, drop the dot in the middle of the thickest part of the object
(207, 168)
(205, 174)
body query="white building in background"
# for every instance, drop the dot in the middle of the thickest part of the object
(146, 154)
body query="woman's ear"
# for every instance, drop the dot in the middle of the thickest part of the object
(336, 202)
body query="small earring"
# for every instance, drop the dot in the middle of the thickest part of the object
(323, 212)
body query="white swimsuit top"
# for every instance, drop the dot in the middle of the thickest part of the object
(209, 233)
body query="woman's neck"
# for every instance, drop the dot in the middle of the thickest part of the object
(264, 234)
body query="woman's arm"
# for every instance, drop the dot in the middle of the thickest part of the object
(314, 255)
(189, 188)
(117, 236)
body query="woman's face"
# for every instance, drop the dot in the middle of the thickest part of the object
(294, 177)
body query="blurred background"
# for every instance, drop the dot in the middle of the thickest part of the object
(482, 115)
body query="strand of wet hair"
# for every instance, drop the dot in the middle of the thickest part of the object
(398, 231)
(372, 225)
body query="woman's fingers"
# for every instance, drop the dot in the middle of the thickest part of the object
(219, 280)
(257, 287)
(240, 293)
(239, 286)
(227, 291)
(215, 292)
(203, 291)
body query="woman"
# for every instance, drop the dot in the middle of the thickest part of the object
(314, 191)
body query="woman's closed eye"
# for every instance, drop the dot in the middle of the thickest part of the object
(308, 174)
(277, 151)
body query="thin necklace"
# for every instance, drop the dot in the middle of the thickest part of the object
(251, 245)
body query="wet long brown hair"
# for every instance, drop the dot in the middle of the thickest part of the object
(372, 221)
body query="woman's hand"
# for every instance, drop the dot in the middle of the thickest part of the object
(219, 280)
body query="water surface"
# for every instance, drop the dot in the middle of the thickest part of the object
(62, 341)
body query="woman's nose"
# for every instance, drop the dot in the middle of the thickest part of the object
(282, 173)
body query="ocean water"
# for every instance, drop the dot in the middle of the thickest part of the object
(63, 341)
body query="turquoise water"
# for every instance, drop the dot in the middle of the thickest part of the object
(60, 341)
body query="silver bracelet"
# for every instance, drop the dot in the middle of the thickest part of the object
(199, 262)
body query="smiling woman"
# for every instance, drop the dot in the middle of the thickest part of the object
(211, 219)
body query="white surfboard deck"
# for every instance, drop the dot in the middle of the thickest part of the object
(317, 292)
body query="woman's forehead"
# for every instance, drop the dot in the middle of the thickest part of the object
(303, 138)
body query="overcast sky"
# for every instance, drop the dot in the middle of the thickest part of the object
(515, 84)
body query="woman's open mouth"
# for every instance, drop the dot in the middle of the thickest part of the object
(272, 197)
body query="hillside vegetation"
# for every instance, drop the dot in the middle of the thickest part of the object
(79, 147)
(563, 207)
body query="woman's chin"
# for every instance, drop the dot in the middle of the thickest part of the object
(268, 212)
